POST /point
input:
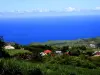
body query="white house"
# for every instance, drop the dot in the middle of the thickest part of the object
(9, 47)
(58, 52)
(43, 54)
(92, 45)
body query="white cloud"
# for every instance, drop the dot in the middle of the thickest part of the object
(40, 10)
(71, 9)
(97, 8)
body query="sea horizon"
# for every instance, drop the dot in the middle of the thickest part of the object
(42, 29)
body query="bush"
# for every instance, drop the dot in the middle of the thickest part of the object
(89, 52)
(2, 52)
(15, 67)
(69, 60)
(26, 56)
(19, 67)
(95, 60)
(17, 51)
(9, 68)
(74, 52)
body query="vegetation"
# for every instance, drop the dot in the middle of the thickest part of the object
(17, 51)
(2, 52)
(76, 58)
(19, 67)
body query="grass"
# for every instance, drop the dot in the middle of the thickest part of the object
(16, 51)
(46, 69)
(24, 67)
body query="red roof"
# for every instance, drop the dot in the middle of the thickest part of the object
(47, 51)
(97, 53)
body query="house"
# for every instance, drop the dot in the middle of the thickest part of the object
(58, 52)
(47, 51)
(96, 53)
(92, 45)
(9, 47)
(43, 54)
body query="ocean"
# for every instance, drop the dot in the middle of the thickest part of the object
(42, 29)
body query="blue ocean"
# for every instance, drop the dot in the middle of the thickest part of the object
(42, 29)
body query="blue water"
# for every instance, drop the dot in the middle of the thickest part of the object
(41, 29)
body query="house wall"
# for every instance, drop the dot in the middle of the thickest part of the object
(9, 47)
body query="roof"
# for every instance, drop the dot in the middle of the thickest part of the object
(47, 51)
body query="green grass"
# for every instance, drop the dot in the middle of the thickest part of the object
(16, 51)
(46, 69)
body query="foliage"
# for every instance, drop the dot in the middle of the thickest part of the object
(2, 44)
(79, 61)
(19, 67)
(64, 48)
(17, 46)
(74, 52)
(69, 60)
(89, 52)
(17, 51)
(14, 67)
(95, 60)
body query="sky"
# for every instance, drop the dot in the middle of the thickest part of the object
(30, 6)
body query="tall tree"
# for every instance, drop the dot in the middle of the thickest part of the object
(2, 44)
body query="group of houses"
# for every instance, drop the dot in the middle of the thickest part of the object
(47, 52)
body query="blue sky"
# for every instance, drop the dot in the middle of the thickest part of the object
(50, 5)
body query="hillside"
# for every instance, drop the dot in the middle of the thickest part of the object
(85, 42)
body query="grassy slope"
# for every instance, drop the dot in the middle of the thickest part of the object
(75, 42)
(16, 51)
(50, 69)
(86, 42)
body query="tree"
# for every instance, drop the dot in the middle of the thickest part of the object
(82, 47)
(74, 52)
(17, 46)
(2, 44)
(64, 48)
(89, 52)
(98, 45)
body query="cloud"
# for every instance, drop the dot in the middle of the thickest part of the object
(34, 10)
(71, 9)
(97, 8)
(40, 10)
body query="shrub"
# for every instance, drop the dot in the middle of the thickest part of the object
(95, 60)
(89, 52)
(17, 67)
(27, 56)
(35, 71)
(9, 68)
(70, 60)
(74, 52)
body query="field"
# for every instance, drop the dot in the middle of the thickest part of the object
(17, 51)
(13, 66)
(79, 61)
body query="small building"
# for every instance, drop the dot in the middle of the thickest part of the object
(9, 47)
(92, 45)
(47, 51)
(58, 52)
(96, 53)
(43, 54)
